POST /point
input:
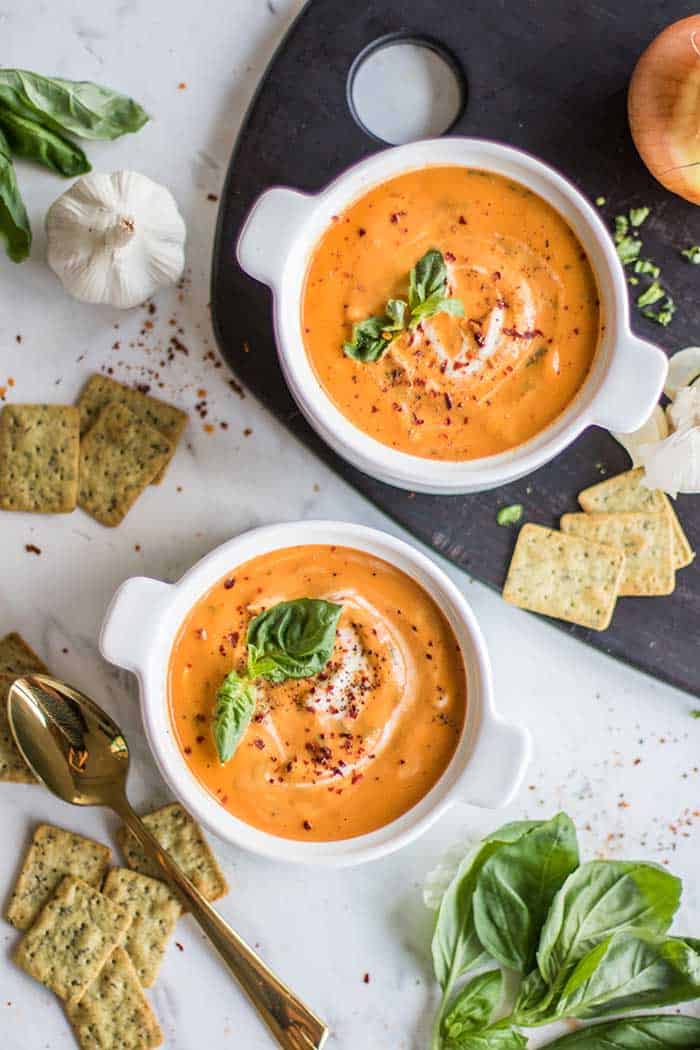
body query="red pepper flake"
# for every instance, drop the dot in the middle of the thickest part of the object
(228, 584)
(179, 946)
(356, 778)
(462, 221)
(18, 337)
(365, 979)
(306, 825)
(31, 548)
(188, 750)
(448, 401)
(260, 744)
(361, 232)
(201, 633)
(182, 86)
(450, 256)
(212, 197)
(137, 546)
(247, 432)
(199, 739)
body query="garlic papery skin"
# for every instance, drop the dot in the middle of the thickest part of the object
(115, 239)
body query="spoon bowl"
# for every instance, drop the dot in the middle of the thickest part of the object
(80, 754)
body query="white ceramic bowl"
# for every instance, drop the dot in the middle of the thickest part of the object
(623, 386)
(145, 615)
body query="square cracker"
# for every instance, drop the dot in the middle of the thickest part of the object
(39, 447)
(75, 933)
(154, 912)
(53, 853)
(16, 657)
(101, 390)
(646, 539)
(563, 576)
(119, 457)
(625, 492)
(113, 1012)
(184, 840)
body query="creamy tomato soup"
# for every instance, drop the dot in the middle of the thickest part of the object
(348, 750)
(455, 387)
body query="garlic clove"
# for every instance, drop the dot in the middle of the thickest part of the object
(684, 410)
(655, 429)
(116, 238)
(673, 465)
(683, 369)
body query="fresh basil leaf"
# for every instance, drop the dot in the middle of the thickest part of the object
(533, 1005)
(368, 342)
(488, 1039)
(455, 945)
(631, 972)
(293, 639)
(14, 221)
(472, 1008)
(427, 277)
(516, 888)
(235, 704)
(437, 303)
(78, 107)
(601, 898)
(661, 1032)
(397, 315)
(30, 140)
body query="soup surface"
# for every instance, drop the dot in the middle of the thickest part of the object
(348, 750)
(454, 387)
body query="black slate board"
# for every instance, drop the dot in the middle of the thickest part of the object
(548, 77)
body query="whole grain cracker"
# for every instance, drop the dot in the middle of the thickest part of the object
(16, 657)
(154, 912)
(647, 541)
(39, 447)
(52, 854)
(184, 840)
(113, 1013)
(100, 391)
(13, 768)
(563, 576)
(625, 492)
(119, 456)
(74, 934)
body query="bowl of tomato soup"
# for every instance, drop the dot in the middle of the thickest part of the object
(450, 314)
(373, 717)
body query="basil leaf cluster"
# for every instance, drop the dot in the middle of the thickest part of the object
(292, 639)
(588, 940)
(427, 296)
(36, 115)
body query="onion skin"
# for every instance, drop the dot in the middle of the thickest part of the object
(664, 108)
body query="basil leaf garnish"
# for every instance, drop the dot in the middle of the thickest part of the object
(14, 221)
(427, 296)
(633, 1033)
(235, 704)
(30, 140)
(472, 1008)
(77, 107)
(293, 639)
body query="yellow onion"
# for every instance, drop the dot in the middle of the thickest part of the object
(664, 108)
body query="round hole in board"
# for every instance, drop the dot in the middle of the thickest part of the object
(404, 88)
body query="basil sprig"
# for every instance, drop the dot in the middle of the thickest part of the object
(36, 115)
(588, 940)
(427, 296)
(293, 639)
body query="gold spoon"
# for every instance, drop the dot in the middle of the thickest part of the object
(79, 753)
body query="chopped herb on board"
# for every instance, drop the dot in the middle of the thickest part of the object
(695, 713)
(692, 254)
(628, 247)
(639, 215)
(651, 295)
(648, 267)
(600, 201)
(510, 515)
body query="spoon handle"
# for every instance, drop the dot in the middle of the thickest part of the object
(293, 1025)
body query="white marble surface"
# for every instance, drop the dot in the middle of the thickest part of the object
(618, 751)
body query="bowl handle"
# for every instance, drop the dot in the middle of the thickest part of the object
(130, 621)
(497, 765)
(632, 386)
(269, 230)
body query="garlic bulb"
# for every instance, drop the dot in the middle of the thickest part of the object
(115, 238)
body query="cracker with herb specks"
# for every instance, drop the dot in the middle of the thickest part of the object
(13, 768)
(101, 390)
(39, 447)
(563, 576)
(53, 853)
(647, 541)
(16, 657)
(75, 932)
(113, 1013)
(184, 840)
(119, 457)
(625, 492)
(154, 912)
